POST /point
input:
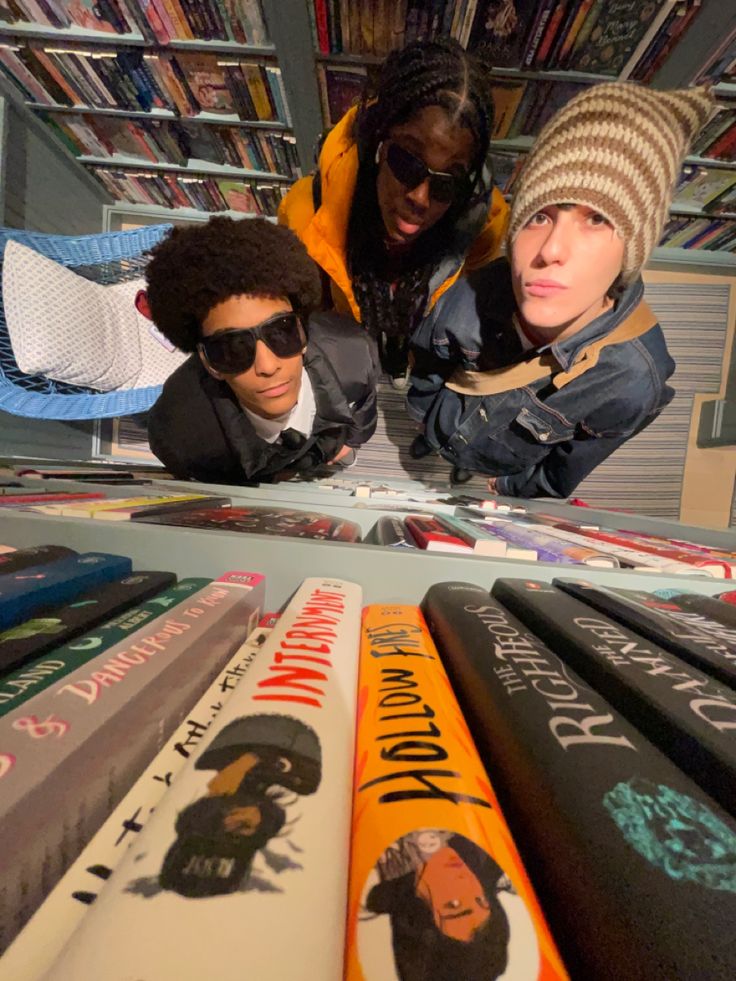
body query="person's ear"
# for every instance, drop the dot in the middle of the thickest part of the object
(142, 305)
(208, 367)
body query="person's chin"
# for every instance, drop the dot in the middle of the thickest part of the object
(402, 232)
(542, 312)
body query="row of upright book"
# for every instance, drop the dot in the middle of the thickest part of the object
(210, 194)
(178, 143)
(158, 21)
(535, 783)
(609, 38)
(131, 79)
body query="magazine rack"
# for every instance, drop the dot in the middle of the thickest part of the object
(106, 258)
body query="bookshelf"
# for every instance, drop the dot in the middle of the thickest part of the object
(282, 78)
(544, 83)
(290, 41)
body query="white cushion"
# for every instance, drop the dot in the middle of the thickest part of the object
(68, 328)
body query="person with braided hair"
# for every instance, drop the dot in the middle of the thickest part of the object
(402, 202)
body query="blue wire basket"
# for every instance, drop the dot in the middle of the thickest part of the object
(107, 258)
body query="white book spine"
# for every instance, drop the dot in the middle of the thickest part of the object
(242, 870)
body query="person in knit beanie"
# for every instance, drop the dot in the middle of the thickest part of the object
(536, 368)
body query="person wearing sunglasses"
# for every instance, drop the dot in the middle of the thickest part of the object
(271, 389)
(536, 368)
(402, 203)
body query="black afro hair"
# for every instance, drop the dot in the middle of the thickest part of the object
(198, 266)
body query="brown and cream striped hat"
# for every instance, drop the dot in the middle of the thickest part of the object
(617, 147)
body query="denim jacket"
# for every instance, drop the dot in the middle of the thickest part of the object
(537, 440)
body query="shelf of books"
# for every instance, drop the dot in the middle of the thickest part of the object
(191, 88)
(331, 710)
(542, 54)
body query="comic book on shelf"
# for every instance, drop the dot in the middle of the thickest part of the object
(58, 784)
(255, 830)
(41, 941)
(586, 793)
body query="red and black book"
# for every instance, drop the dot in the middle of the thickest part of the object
(687, 715)
(263, 521)
(628, 856)
(661, 621)
(24, 558)
(52, 626)
(433, 536)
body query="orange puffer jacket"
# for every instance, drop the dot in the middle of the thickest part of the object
(477, 238)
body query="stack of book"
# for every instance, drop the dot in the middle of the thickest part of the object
(718, 138)
(158, 21)
(203, 193)
(613, 38)
(178, 144)
(369, 781)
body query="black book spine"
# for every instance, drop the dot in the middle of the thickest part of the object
(708, 606)
(52, 626)
(24, 558)
(602, 819)
(685, 714)
(649, 616)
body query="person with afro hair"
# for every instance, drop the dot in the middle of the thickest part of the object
(271, 389)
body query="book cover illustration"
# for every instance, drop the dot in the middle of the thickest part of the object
(116, 709)
(286, 522)
(437, 887)
(632, 862)
(617, 32)
(252, 839)
(500, 28)
(42, 939)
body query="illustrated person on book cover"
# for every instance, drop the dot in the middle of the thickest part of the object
(261, 761)
(440, 891)
(534, 369)
(271, 389)
(402, 202)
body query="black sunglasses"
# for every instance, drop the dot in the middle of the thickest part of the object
(412, 171)
(234, 351)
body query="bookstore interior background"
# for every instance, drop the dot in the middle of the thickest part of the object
(378, 721)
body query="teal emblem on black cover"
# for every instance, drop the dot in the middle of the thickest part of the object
(677, 834)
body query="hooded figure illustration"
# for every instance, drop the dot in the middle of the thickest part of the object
(258, 759)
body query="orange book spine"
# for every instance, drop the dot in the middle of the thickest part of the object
(51, 68)
(437, 886)
(179, 19)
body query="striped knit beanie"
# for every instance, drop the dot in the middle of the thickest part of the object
(618, 148)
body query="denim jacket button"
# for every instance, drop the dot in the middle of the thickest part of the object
(544, 437)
